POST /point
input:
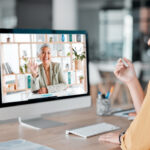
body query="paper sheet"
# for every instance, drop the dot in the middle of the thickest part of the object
(21, 144)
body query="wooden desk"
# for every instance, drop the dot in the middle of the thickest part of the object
(56, 138)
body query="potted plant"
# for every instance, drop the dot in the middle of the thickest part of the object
(81, 79)
(24, 68)
(21, 69)
(78, 58)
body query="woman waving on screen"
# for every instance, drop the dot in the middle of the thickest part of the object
(48, 76)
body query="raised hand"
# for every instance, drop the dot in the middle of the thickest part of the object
(33, 68)
(123, 73)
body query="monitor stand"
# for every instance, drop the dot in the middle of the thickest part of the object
(39, 123)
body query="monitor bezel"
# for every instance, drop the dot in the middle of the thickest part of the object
(45, 31)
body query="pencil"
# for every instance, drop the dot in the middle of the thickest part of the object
(112, 89)
(126, 65)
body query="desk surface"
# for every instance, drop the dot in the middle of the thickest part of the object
(56, 138)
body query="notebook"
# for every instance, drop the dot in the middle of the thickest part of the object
(21, 144)
(125, 113)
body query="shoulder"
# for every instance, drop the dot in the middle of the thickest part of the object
(55, 65)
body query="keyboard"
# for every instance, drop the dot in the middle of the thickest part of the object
(94, 129)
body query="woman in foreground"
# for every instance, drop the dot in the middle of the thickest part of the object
(137, 136)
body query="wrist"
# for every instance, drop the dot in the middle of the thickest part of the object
(132, 81)
(120, 135)
(35, 75)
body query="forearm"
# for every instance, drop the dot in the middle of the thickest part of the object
(137, 93)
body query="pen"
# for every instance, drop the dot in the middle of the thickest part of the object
(126, 65)
(109, 93)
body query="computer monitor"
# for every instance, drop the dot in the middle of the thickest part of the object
(42, 71)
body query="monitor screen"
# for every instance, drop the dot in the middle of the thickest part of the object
(42, 65)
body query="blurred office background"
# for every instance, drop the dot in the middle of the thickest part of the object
(116, 28)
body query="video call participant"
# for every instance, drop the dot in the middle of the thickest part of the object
(48, 76)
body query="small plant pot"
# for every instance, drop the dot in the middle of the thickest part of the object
(78, 65)
(81, 81)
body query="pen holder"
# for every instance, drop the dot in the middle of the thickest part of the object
(103, 107)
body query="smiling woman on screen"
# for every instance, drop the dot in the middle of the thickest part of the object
(48, 76)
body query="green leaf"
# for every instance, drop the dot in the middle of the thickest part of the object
(68, 54)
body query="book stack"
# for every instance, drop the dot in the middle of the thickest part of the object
(7, 69)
